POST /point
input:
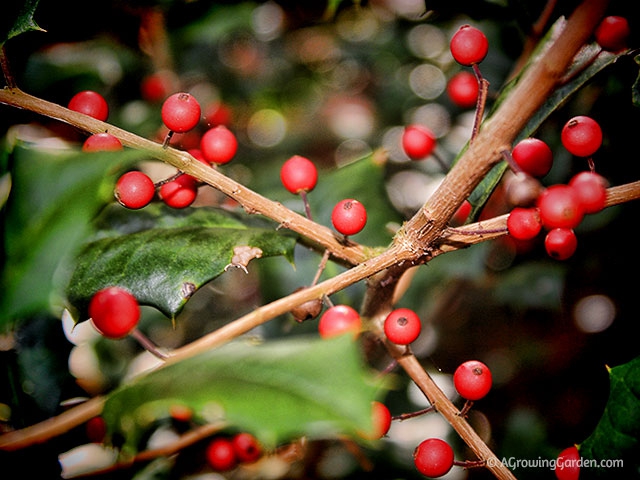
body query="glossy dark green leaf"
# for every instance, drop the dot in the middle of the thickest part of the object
(54, 196)
(617, 435)
(305, 386)
(163, 255)
(17, 18)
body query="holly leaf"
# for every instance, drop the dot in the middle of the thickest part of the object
(53, 198)
(162, 255)
(617, 434)
(280, 390)
(17, 18)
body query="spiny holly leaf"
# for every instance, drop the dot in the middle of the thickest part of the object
(17, 18)
(54, 195)
(279, 390)
(617, 435)
(162, 256)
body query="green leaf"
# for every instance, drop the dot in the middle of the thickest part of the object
(54, 196)
(162, 256)
(17, 18)
(617, 435)
(279, 390)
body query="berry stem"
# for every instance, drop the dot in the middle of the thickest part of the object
(307, 207)
(148, 345)
(470, 463)
(465, 408)
(173, 177)
(167, 139)
(417, 413)
(483, 92)
(506, 154)
(321, 267)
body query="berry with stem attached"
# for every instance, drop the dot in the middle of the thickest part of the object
(472, 380)
(381, 421)
(218, 145)
(581, 136)
(349, 216)
(418, 141)
(524, 223)
(339, 320)
(469, 46)
(402, 326)
(612, 33)
(180, 192)
(220, 454)
(560, 207)
(433, 457)
(560, 243)
(134, 190)
(114, 312)
(591, 189)
(463, 89)
(180, 112)
(299, 174)
(90, 103)
(533, 156)
(567, 466)
(102, 142)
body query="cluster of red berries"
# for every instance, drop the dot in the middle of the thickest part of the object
(225, 452)
(559, 208)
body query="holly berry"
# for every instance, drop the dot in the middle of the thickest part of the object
(567, 465)
(581, 136)
(433, 457)
(418, 141)
(560, 243)
(381, 421)
(180, 112)
(612, 33)
(299, 174)
(472, 380)
(246, 447)
(218, 145)
(463, 89)
(402, 326)
(102, 142)
(96, 429)
(218, 114)
(462, 213)
(90, 103)
(134, 190)
(533, 156)
(591, 189)
(349, 216)
(114, 312)
(220, 454)
(339, 320)
(181, 192)
(524, 223)
(469, 45)
(156, 86)
(560, 206)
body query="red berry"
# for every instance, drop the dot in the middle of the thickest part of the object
(181, 192)
(524, 223)
(218, 145)
(560, 206)
(591, 189)
(247, 447)
(560, 243)
(463, 89)
(180, 112)
(469, 45)
(349, 216)
(567, 465)
(218, 114)
(299, 174)
(462, 213)
(581, 136)
(156, 86)
(472, 380)
(102, 142)
(338, 320)
(533, 156)
(612, 33)
(381, 421)
(134, 190)
(402, 326)
(114, 312)
(220, 454)
(90, 103)
(418, 141)
(96, 429)
(433, 457)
